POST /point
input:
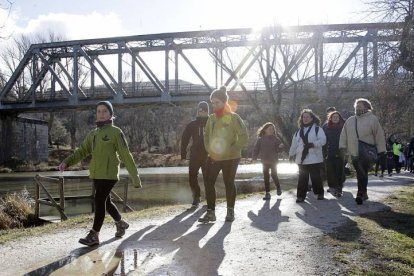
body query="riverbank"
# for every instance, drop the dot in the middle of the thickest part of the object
(267, 238)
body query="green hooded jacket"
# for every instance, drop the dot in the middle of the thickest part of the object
(225, 137)
(107, 145)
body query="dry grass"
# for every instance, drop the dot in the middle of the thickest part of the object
(16, 210)
(379, 243)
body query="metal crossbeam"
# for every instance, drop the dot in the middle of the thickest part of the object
(114, 60)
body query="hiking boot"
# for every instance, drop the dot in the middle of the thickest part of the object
(209, 216)
(194, 205)
(358, 200)
(321, 197)
(338, 193)
(121, 226)
(267, 196)
(230, 214)
(300, 199)
(364, 196)
(91, 239)
(278, 190)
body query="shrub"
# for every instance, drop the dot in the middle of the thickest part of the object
(16, 210)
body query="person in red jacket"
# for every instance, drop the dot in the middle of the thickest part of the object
(198, 155)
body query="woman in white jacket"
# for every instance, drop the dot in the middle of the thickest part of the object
(306, 149)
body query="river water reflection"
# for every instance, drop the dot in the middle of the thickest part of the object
(161, 186)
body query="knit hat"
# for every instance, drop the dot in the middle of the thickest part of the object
(220, 94)
(108, 105)
(203, 107)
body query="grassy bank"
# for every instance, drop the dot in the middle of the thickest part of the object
(379, 243)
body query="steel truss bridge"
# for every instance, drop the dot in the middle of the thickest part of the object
(75, 74)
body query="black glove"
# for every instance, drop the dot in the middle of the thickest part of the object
(342, 153)
(311, 145)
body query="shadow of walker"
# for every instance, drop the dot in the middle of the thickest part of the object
(268, 219)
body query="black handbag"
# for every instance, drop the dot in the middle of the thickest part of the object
(366, 151)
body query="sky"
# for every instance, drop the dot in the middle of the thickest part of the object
(85, 19)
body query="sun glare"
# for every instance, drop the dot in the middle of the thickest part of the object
(264, 13)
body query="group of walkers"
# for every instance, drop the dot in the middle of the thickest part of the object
(398, 156)
(217, 143)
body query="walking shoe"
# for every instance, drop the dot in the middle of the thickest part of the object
(209, 216)
(364, 196)
(267, 196)
(230, 214)
(278, 190)
(91, 239)
(338, 193)
(300, 199)
(121, 226)
(194, 205)
(321, 197)
(381, 175)
(358, 200)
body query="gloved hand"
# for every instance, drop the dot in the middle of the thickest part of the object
(342, 153)
(62, 167)
(137, 182)
(311, 145)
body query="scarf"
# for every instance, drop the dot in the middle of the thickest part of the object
(305, 140)
(221, 112)
(103, 123)
(332, 125)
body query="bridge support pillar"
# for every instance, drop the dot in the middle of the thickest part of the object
(22, 140)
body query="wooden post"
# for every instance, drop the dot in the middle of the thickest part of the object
(62, 193)
(37, 196)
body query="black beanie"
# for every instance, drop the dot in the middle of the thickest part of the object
(220, 94)
(108, 105)
(203, 106)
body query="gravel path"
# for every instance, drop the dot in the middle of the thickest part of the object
(276, 237)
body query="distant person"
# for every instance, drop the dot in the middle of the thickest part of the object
(334, 161)
(306, 150)
(364, 126)
(225, 137)
(411, 155)
(194, 131)
(396, 148)
(106, 144)
(267, 148)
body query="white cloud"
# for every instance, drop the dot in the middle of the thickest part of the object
(75, 26)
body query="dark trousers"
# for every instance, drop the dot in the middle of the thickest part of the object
(381, 162)
(229, 169)
(335, 172)
(273, 172)
(397, 164)
(361, 167)
(196, 162)
(314, 171)
(103, 201)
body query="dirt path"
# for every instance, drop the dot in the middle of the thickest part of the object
(267, 238)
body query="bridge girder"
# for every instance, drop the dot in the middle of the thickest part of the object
(59, 71)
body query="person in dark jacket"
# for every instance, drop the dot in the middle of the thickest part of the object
(333, 160)
(198, 155)
(266, 148)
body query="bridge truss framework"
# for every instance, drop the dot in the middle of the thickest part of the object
(75, 74)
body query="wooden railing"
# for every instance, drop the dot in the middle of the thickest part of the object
(59, 201)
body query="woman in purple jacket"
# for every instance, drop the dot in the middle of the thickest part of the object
(267, 148)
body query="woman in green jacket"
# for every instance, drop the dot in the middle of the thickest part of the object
(225, 136)
(107, 145)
